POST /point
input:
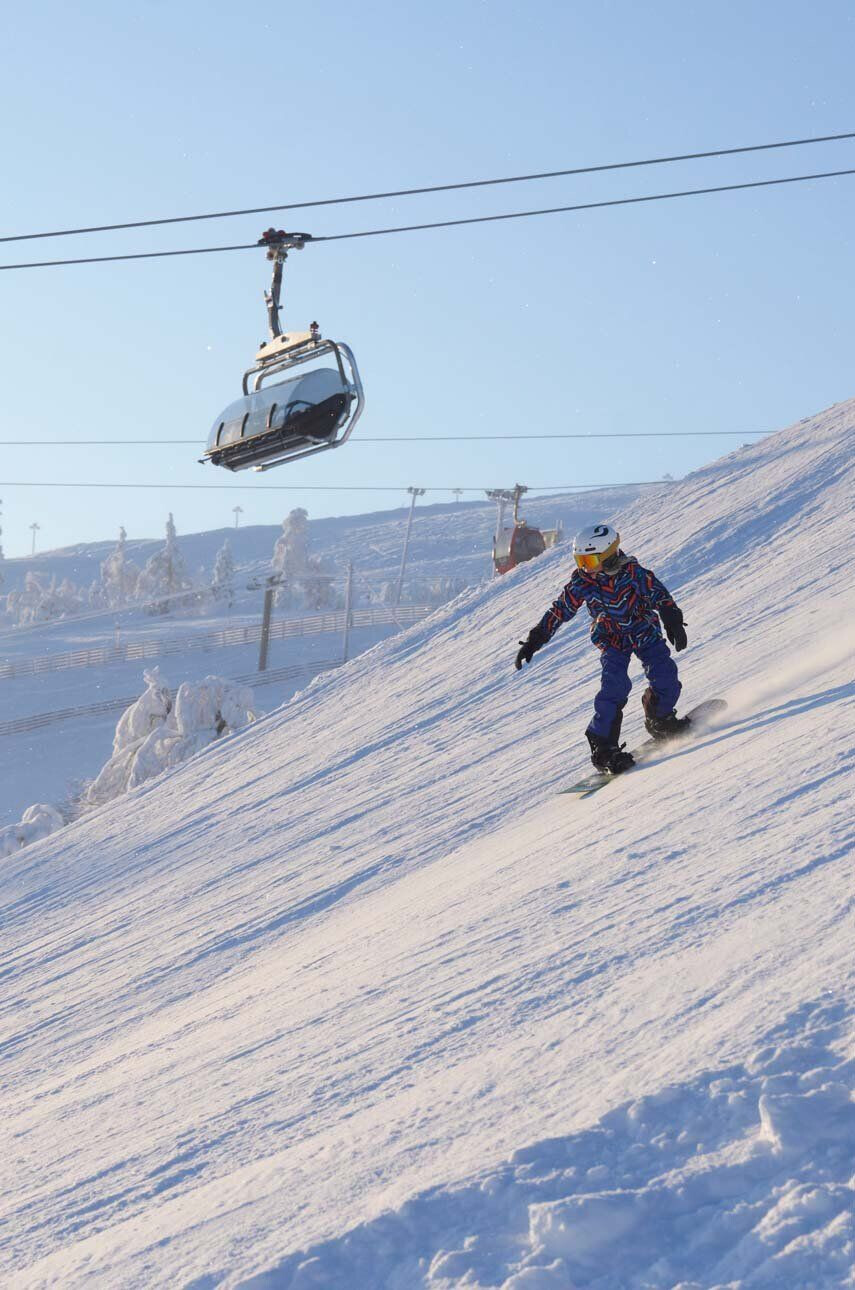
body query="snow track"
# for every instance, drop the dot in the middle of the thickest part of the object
(718, 1180)
(353, 999)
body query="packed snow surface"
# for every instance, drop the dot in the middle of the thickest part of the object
(354, 999)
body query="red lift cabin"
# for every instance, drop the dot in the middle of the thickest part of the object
(513, 546)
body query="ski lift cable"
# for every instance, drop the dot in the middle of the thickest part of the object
(329, 488)
(138, 255)
(448, 223)
(582, 206)
(428, 438)
(432, 188)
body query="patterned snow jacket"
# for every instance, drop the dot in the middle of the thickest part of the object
(622, 606)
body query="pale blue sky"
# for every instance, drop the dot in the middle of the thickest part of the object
(724, 312)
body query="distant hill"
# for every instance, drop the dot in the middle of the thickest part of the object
(447, 539)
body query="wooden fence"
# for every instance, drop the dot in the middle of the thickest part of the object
(249, 634)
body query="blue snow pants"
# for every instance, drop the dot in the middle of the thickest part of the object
(615, 685)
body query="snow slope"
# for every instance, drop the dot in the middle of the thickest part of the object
(352, 999)
(448, 541)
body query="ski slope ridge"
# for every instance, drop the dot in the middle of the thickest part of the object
(352, 999)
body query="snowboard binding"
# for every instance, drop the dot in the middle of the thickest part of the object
(609, 758)
(669, 726)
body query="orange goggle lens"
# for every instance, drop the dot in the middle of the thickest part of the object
(588, 562)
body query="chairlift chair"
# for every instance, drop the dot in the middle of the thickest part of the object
(284, 413)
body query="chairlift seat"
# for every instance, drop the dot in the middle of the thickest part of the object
(278, 422)
(283, 418)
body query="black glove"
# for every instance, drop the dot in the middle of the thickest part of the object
(672, 621)
(530, 645)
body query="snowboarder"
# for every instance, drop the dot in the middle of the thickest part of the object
(623, 599)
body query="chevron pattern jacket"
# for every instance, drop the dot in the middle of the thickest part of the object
(623, 606)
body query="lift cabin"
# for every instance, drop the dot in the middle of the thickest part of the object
(292, 405)
(513, 546)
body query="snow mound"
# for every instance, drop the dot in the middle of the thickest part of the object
(38, 821)
(683, 1187)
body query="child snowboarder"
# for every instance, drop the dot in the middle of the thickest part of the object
(623, 598)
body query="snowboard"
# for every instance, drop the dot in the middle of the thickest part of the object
(700, 717)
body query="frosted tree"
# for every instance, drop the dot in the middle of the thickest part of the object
(291, 556)
(317, 585)
(97, 596)
(441, 590)
(21, 604)
(222, 583)
(164, 577)
(158, 732)
(70, 598)
(119, 575)
(291, 552)
(40, 604)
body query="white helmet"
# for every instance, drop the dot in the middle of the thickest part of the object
(596, 547)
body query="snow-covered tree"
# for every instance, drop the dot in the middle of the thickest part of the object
(291, 552)
(164, 577)
(442, 589)
(291, 557)
(156, 733)
(96, 596)
(304, 579)
(119, 575)
(222, 582)
(19, 604)
(69, 597)
(153, 734)
(317, 583)
(40, 602)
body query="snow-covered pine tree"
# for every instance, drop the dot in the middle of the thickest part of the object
(119, 575)
(21, 604)
(291, 556)
(164, 577)
(71, 599)
(222, 583)
(444, 589)
(317, 583)
(41, 604)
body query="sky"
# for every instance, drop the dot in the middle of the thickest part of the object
(720, 313)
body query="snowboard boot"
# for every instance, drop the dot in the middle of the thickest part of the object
(669, 726)
(609, 757)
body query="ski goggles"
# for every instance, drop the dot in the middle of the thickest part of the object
(590, 563)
